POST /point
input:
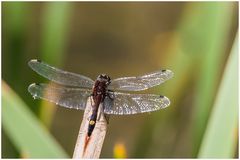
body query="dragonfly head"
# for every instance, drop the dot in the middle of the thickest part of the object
(104, 78)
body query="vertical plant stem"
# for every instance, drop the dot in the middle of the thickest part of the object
(209, 75)
(220, 138)
(91, 148)
(15, 26)
(54, 41)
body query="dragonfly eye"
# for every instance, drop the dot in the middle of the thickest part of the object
(104, 77)
(100, 77)
(108, 81)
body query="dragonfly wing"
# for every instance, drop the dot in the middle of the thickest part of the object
(141, 82)
(59, 76)
(64, 96)
(124, 104)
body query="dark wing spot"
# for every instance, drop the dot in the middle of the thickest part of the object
(161, 96)
(164, 70)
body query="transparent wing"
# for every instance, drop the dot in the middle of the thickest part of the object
(124, 104)
(60, 76)
(67, 97)
(141, 82)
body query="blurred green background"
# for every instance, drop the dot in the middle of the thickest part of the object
(196, 40)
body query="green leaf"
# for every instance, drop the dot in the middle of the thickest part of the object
(24, 130)
(220, 138)
(215, 27)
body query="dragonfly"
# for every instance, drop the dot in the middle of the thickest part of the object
(73, 90)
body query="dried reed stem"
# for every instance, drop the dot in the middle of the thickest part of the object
(93, 147)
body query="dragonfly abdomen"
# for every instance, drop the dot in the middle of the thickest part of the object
(92, 123)
(99, 91)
